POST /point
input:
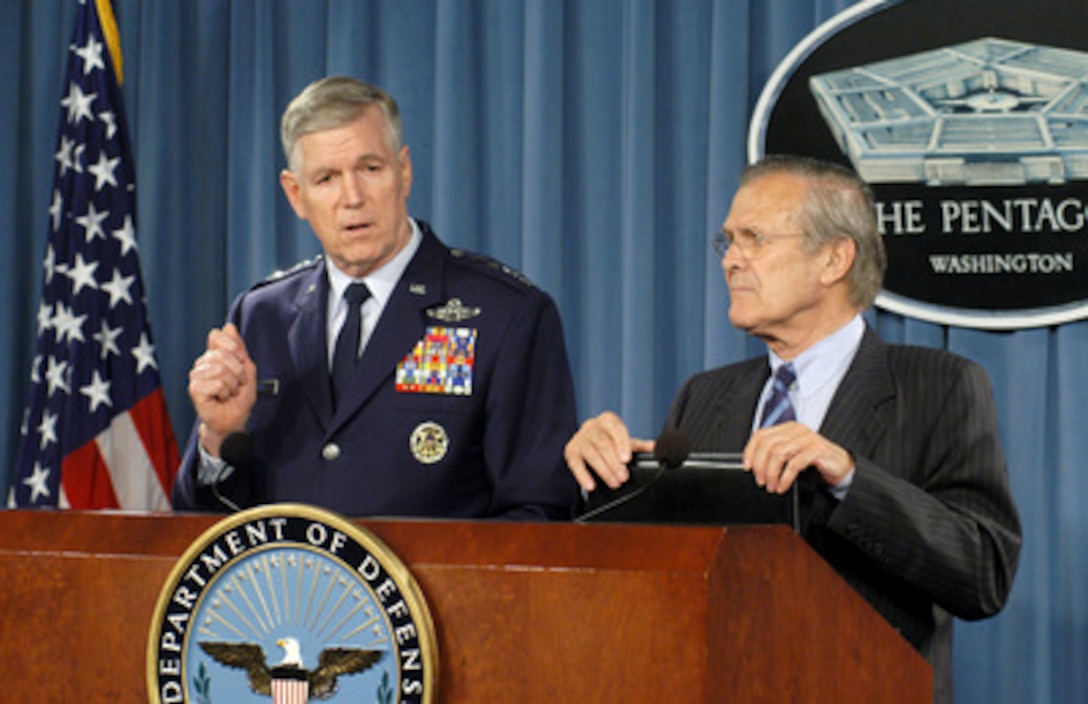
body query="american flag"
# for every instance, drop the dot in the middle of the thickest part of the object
(96, 433)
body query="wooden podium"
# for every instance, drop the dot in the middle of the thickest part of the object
(523, 612)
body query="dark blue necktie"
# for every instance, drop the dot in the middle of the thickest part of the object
(346, 355)
(778, 408)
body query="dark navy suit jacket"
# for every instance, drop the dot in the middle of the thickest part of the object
(928, 527)
(504, 442)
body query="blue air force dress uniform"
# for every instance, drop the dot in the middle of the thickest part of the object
(460, 405)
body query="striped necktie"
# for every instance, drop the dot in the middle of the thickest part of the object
(778, 409)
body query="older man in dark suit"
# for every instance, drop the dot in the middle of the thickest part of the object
(894, 450)
(393, 375)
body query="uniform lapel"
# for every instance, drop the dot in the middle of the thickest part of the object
(306, 340)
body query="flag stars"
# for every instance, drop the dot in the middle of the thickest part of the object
(62, 319)
(98, 392)
(78, 104)
(111, 123)
(45, 317)
(50, 263)
(37, 482)
(144, 354)
(91, 53)
(67, 324)
(82, 274)
(56, 209)
(126, 236)
(35, 378)
(107, 341)
(47, 429)
(66, 159)
(92, 222)
(63, 156)
(103, 171)
(56, 373)
(118, 288)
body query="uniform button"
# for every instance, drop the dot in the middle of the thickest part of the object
(330, 452)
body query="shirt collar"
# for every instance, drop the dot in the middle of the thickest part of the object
(827, 360)
(381, 281)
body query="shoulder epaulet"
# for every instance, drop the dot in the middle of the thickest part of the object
(487, 263)
(281, 274)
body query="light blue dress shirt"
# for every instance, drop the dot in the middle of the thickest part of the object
(820, 369)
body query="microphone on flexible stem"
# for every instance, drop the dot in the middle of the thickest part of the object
(237, 451)
(670, 451)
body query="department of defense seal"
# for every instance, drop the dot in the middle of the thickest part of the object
(292, 603)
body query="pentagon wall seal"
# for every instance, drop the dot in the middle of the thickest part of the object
(967, 121)
(290, 603)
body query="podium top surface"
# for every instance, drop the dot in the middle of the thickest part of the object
(448, 542)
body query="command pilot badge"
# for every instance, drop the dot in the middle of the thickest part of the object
(290, 603)
(453, 311)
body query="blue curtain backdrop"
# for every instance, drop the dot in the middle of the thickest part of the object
(591, 143)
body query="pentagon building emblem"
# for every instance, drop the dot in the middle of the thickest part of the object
(968, 121)
(986, 112)
(288, 603)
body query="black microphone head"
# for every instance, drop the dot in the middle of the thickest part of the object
(237, 449)
(672, 448)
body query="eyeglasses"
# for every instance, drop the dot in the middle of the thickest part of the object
(747, 242)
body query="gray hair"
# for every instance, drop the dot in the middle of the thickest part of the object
(838, 205)
(333, 102)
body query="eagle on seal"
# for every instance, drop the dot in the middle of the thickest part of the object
(331, 663)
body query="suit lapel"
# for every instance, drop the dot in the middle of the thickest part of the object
(738, 404)
(715, 409)
(306, 341)
(854, 418)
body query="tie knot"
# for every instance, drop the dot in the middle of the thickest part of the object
(785, 375)
(777, 408)
(355, 294)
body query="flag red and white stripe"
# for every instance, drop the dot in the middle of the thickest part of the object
(290, 691)
(96, 433)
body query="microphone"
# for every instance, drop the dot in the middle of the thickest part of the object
(670, 450)
(237, 451)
